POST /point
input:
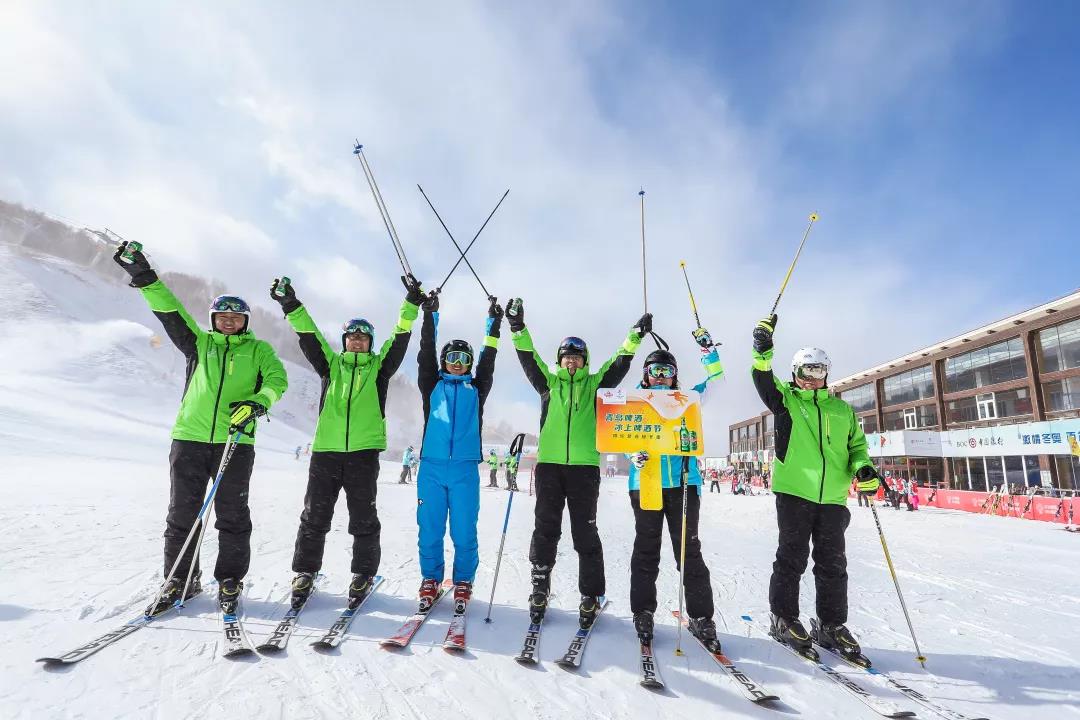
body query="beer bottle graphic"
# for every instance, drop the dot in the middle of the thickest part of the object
(684, 437)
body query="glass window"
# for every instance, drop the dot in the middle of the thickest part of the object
(869, 423)
(995, 472)
(893, 420)
(978, 474)
(1059, 347)
(985, 403)
(917, 384)
(1062, 395)
(927, 416)
(986, 366)
(1034, 478)
(1009, 403)
(860, 398)
(961, 411)
(1068, 471)
(1014, 472)
(769, 420)
(960, 474)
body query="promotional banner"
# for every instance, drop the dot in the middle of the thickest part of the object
(660, 422)
(1052, 437)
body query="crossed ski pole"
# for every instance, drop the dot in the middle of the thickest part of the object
(384, 212)
(464, 252)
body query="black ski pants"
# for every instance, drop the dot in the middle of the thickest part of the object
(714, 485)
(801, 521)
(192, 468)
(578, 488)
(329, 472)
(645, 560)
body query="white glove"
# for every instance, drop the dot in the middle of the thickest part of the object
(639, 459)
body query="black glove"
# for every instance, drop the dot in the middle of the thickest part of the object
(139, 269)
(763, 333)
(495, 309)
(288, 301)
(515, 315)
(868, 480)
(703, 338)
(431, 302)
(644, 325)
(414, 293)
(244, 414)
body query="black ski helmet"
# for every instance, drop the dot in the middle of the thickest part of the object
(452, 346)
(663, 357)
(573, 346)
(358, 325)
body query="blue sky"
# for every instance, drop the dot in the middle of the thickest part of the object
(937, 140)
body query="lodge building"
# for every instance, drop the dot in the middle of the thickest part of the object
(993, 406)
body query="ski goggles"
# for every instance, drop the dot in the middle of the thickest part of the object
(358, 325)
(813, 371)
(229, 303)
(661, 370)
(572, 346)
(458, 357)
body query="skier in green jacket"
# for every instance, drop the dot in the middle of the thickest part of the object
(350, 434)
(568, 464)
(232, 378)
(819, 448)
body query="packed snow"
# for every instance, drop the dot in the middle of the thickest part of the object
(86, 404)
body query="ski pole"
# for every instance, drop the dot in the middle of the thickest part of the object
(813, 219)
(451, 236)
(682, 558)
(519, 441)
(644, 277)
(699, 332)
(384, 212)
(892, 571)
(469, 246)
(230, 444)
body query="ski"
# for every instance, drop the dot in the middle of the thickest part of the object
(882, 707)
(908, 692)
(455, 635)
(281, 634)
(751, 690)
(333, 637)
(84, 651)
(572, 659)
(234, 640)
(409, 628)
(531, 646)
(650, 670)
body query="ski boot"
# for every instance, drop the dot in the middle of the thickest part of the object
(704, 629)
(429, 590)
(229, 595)
(170, 593)
(794, 635)
(462, 594)
(643, 625)
(839, 639)
(359, 587)
(541, 588)
(302, 586)
(588, 610)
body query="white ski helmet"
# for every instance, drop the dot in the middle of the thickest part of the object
(811, 356)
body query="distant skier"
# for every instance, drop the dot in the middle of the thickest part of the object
(662, 371)
(297, 455)
(408, 459)
(819, 448)
(232, 379)
(493, 466)
(350, 434)
(714, 480)
(568, 466)
(454, 385)
(512, 462)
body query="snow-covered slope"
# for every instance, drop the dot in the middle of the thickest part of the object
(85, 408)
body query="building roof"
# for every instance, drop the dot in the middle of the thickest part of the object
(1067, 302)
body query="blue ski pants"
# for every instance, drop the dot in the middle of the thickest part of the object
(448, 487)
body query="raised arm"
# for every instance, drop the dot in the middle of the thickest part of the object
(178, 324)
(484, 374)
(312, 343)
(536, 370)
(769, 387)
(427, 358)
(393, 350)
(614, 370)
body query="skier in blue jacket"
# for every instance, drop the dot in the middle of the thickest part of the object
(454, 385)
(408, 462)
(662, 371)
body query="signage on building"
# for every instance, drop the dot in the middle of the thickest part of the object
(1042, 438)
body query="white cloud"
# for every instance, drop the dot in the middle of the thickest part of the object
(221, 136)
